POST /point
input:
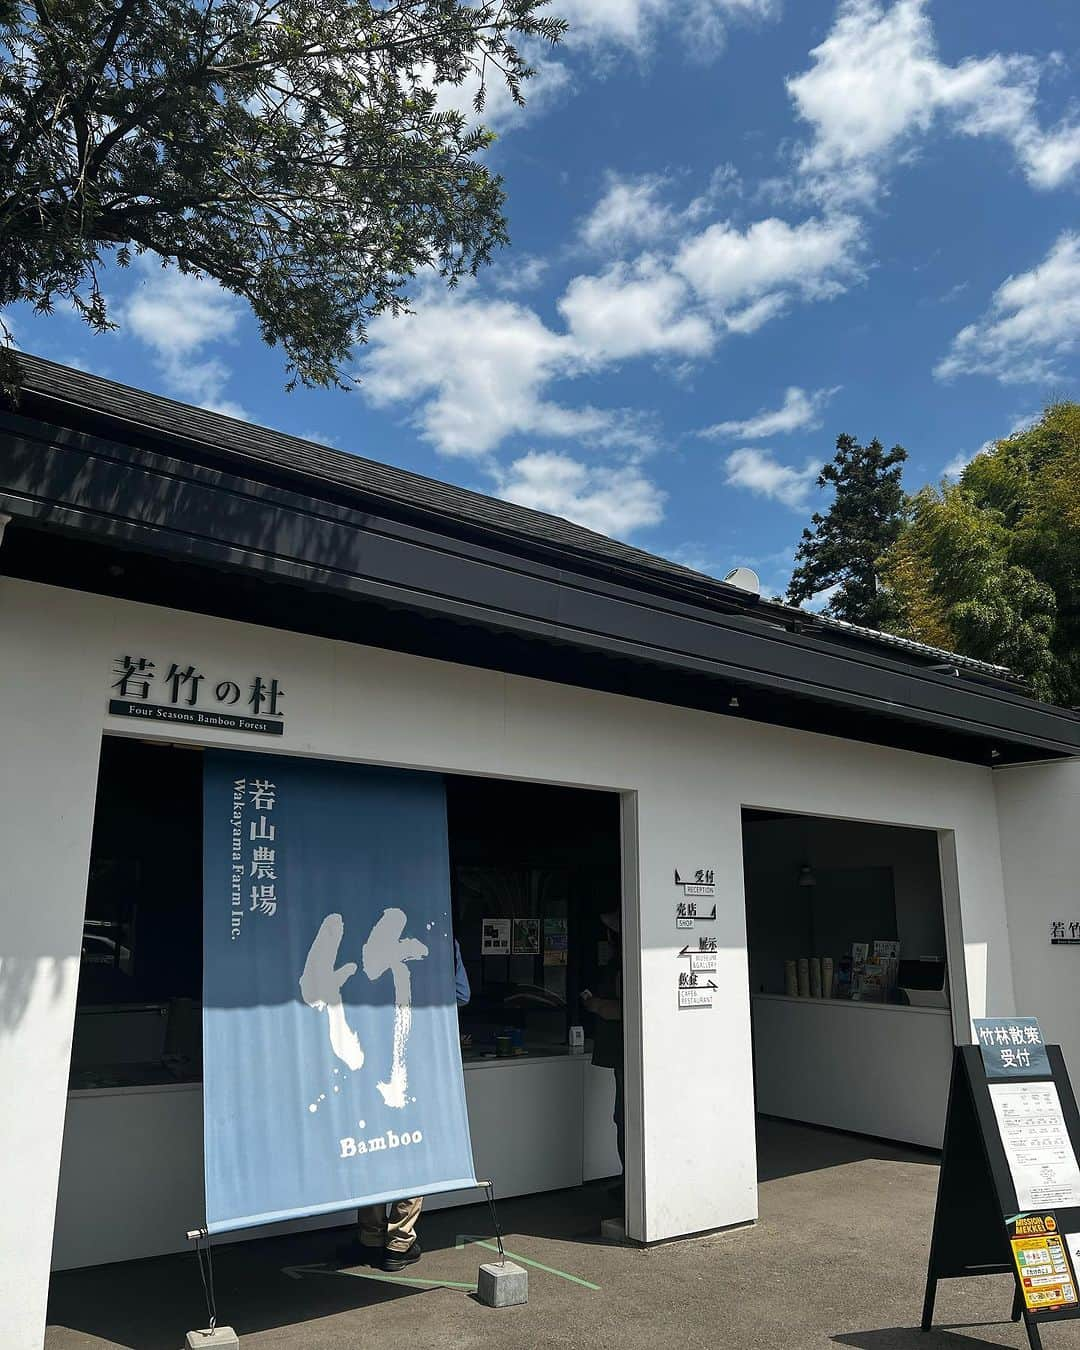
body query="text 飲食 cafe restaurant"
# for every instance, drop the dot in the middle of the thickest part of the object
(281, 725)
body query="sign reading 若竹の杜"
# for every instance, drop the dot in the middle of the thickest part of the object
(174, 692)
(1012, 1047)
(1064, 934)
(332, 1071)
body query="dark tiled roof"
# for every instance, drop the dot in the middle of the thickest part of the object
(259, 446)
(255, 450)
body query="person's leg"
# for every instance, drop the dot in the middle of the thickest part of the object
(402, 1244)
(371, 1222)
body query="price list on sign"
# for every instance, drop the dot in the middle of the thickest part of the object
(1037, 1146)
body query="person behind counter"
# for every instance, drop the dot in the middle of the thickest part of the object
(608, 1031)
(389, 1238)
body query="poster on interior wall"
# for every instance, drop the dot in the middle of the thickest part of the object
(495, 937)
(555, 942)
(332, 1071)
(526, 937)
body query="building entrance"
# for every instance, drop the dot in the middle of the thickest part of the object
(536, 895)
(849, 977)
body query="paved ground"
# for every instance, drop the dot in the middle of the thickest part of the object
(837, 1259)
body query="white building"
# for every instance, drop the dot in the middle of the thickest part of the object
(623, 718)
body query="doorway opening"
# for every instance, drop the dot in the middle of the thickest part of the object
(535, 880)
(849, 979)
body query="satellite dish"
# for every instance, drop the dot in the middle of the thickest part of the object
(745, 580)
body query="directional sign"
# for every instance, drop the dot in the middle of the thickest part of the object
(700, 960)
(687, 914)
(694, 995)
(695, 876)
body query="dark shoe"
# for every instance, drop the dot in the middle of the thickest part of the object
(392, 1260)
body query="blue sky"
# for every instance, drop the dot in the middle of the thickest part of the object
(735, 234)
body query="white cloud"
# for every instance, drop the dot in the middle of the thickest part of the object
(478, 365)
(603, 30)
(523, 272)
(959, 462)
(637, 309)
(631, 211)
(698, 557)
(478, 370)
(550, 82)
(798, 411)
(1033, 319)
(820, 599)
(320, 438)
(773, 569)
(612, 500)
(877, 82)
(634, 210)
(635, 24)
(177, 315)
(762, 473)
(1022, 422)
(747, 277)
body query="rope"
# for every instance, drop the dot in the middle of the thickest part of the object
(489, 1191)
(205, 1257)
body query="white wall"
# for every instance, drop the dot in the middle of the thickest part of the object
(877, 1069)
(1039, 820)
(690, 772)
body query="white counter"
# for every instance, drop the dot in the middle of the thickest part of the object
(131, 1176)
(871, 1068)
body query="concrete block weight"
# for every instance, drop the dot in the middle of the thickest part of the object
(502, 1284)
(221, 1338)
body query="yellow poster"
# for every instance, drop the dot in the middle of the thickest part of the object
(1043, 1266)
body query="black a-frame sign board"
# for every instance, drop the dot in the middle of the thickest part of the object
(976, 1199)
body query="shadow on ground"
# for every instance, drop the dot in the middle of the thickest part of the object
(786, 1149)
(303, 1278)
(837, 1258)
(938, 1338)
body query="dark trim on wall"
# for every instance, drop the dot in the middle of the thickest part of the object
(62, 483)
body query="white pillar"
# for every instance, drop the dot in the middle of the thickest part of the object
(50, 731)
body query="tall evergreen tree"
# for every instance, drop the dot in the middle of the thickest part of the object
(864, 520)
